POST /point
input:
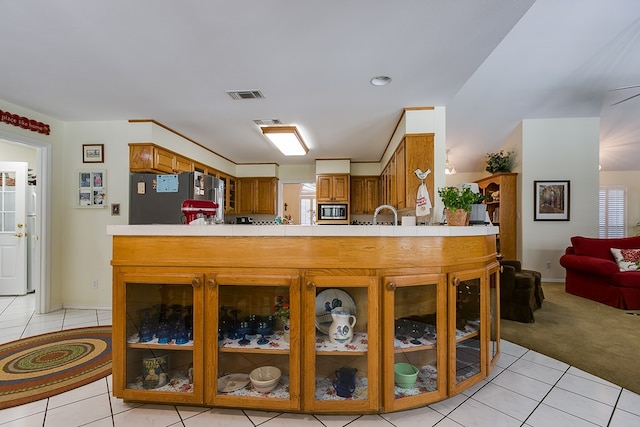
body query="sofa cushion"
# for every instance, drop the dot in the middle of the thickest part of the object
(626, 279)
(600, 248)
(627, 259)
(589, 265)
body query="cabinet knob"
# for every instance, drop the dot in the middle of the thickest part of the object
(392, 286)
(456, 281)
(310, 285)
(196, 282)
(212, 283)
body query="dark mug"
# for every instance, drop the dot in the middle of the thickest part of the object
(345, 383)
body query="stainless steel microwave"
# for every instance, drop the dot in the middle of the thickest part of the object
(333, 212)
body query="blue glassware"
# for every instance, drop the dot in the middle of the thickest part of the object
(252, 319)
(345, 382)
(243, 329)
(263, 329)
(164, 333)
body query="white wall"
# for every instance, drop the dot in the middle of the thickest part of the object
(558, 149)
(86, 246)
(54, 145)
(12, 152)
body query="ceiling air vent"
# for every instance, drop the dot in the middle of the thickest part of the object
(262, 122)
(245, 94)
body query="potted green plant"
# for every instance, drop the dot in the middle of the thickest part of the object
(499, 162)
(457, 203)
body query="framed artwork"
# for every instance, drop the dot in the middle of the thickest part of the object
(551, 200)
(92, 189)
(92, 153)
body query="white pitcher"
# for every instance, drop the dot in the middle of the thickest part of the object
(341, 329)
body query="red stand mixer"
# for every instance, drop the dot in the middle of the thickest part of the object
(193, 209)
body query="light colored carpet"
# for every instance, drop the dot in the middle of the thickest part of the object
(593, 337)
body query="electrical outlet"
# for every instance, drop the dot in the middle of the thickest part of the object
(548, 265)
(95, 284)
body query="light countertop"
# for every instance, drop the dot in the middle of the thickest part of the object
(299, 230)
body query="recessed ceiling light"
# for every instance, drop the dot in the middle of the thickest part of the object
(381, 80)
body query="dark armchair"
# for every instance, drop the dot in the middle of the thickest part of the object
(520, 292)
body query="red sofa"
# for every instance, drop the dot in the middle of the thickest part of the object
(593, 273)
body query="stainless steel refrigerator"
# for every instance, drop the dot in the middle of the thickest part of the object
(157, 199)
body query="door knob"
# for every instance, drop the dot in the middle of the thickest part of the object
(20, 225)
(18, 234)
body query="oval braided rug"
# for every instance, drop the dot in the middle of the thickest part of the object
(45, 365)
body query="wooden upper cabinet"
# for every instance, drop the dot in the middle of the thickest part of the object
(365, 194)
(229, 191)
(257, 196)
(418, 155)
(266, 197)
(147, 157)
(401, 176)
(183, 164)
(399, 181)
(332, 188)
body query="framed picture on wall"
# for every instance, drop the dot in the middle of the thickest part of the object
(92, 153)
(551, 200)
(92, 189)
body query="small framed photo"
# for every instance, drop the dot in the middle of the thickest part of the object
(551, 200)
(92, 153)
(85, 179)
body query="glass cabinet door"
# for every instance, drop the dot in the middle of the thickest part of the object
(253, 340)
(414, 330)
(467, 344)
(494, 314)
(160, 318)
(341, 343)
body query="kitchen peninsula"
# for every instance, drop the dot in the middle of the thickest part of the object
(422, 297)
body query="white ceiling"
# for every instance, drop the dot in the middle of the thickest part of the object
(491, 63)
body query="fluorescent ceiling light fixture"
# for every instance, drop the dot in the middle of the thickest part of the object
(286, 139)
(449, 169)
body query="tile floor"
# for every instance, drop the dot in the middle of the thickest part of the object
(525, 389)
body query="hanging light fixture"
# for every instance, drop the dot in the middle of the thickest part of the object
(449, 169)
(286, 139)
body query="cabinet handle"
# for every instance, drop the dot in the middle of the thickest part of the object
(196, 282)
(310, 285)
(212, 283)
(392, 286)
(456, 281)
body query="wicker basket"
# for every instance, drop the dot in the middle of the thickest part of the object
(457, 217)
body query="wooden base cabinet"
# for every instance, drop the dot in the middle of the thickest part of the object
(245, 335)
(414, 331)
(341, 378)
(189, 326)
(151, 315)
(468, 319)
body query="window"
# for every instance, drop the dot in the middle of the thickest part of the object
(612, 211)
(308, 204)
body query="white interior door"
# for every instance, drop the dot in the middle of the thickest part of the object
(13, 240)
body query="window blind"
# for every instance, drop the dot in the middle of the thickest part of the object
(612, 211)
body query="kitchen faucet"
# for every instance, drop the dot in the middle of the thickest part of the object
(379, 208)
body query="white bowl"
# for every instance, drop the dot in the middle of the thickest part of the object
(265, 378)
